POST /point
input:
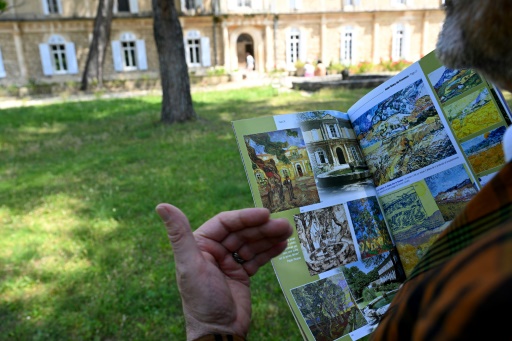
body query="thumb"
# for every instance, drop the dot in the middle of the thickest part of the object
(179, 232)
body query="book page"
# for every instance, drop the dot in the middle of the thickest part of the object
(431, 137)
(308, 167)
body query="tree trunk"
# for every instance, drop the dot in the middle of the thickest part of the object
(176, 98)
(99, 44)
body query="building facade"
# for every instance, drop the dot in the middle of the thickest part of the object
(48, 40)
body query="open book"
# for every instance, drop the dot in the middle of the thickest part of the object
(369, 190)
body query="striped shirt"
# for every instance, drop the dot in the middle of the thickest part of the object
(462, 287)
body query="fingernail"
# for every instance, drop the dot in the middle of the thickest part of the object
(163, 213)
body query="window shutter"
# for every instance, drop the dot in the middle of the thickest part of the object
(232, 4)
(187, 51)
(44, 52)
(256, 4)
(45, 7)
(357, 2)
(302, 47)
(298, 4)
(59, 7)
(71, 58)
(2, 69)
(134, 6)
(407, 44)
(116, 55)
(142, 62)
(394, 46)
(288, 51)
(205, 51)
(317, 157)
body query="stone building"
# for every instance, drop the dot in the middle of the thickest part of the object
(331, 143)
(46, 41)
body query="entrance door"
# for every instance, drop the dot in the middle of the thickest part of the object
(341, 157)
(244, 44)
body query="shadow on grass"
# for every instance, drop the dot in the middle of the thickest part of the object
(82, 253)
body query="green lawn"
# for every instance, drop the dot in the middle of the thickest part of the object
(83, 255)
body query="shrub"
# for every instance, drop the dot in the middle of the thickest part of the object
(369, 294)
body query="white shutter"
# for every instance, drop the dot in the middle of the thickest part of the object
(256, 4)
(205, 51)
(44, 52)
(298, 4)
(45, 7)
(232, 4)
(288, 51)
(187, 51)
(357, 2)
(59, 7)
(407, 43)
(395, 45)
(302, 47)
(142, 62)
(116, 55)
(134, 6)
(317, 157)
(2, 69)
(71, 58)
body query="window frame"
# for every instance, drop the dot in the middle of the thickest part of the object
(399, 43)
(68, 54)
(3, 73)
(348, 31)
(137, 51)
(129, 54)
(52, 7)
(62, 67)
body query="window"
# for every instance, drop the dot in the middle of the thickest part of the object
(123, 6)
(192, 4)
(333, 132)
(129, 53)
(398, 43)
(295, 4)
(400, 2)
(352, 2)
(126, 6)
(320, 157)
(197, 49)
(51, 7)
(347, 45)
(2, 69)
(355, 154)
(193, 48)
(295, 47)
(58, 56)
(244, 3)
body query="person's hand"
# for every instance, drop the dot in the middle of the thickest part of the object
(214, 287)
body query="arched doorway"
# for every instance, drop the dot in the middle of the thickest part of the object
(244, 44)
(341, 157)
(299, 170)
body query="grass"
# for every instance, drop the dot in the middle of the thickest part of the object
(83, 255)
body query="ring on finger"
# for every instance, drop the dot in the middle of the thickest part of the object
(237, 258)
